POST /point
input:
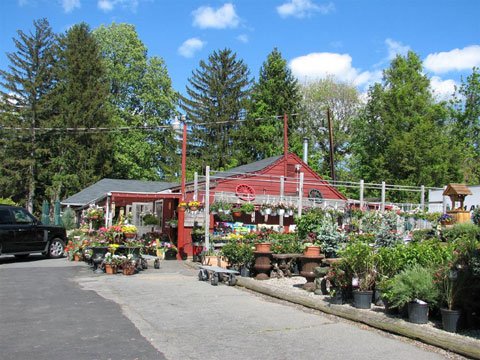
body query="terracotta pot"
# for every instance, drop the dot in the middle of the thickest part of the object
(77, 257)
(110, 269)
(263, 247)
(128, 270)
(237, 213)
(193, 208)
(130, 235)
(313, 250)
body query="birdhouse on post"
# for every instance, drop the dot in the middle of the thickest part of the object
(457, 194)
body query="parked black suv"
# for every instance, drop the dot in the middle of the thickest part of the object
(21, 234)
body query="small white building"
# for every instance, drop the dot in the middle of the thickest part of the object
(436, 200)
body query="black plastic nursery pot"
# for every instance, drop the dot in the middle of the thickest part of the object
(362, 299)
(450, 319)
(417, 313)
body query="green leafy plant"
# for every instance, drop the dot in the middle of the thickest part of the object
(330, 237)
(247, 208)
(150, 219)
(476, 216)
(238, 253)
(285, 243)
(68, 219)
(461, 230)
(358, 258)
(416, 282)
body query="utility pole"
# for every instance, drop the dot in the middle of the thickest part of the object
(330, 134)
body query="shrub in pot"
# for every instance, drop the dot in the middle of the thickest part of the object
(416, 288)
(358, 258)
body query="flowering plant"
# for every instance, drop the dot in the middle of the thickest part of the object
(112, 259)
(446, 219)
(94, 213)
(129, 229)
(194, 203)
(182, 204)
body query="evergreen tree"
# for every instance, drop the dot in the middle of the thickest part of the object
(79, 158)
(142, 96)
(25, 104)
(274, 94)
(466, 116)
(216, 99)
(400, 136)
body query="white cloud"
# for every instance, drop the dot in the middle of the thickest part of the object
(221, 18)
(243, 38)
(109, 5)
(396, 48)
(70, 5)
(453, 60)
(316, 66)
(190, 47)
(442, 89)
(303, 8)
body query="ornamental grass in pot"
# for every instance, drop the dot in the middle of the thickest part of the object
(416, 288)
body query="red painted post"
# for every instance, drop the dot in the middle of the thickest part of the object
(285, 143)
(181, 214)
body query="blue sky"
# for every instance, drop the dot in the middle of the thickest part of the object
(352, 40)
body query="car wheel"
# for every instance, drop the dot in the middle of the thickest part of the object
(21, 256)
(56, 248)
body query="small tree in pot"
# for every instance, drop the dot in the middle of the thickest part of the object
(416, 287)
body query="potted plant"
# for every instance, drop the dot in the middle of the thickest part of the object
(173, 223)
(129, 231)
(359, 258)
(150, 219)
(111, 262)
(266, 209)
(448, 279)
(414, 286)
(247, 208)
(194, 205)
(280, 208)
(182, 206)
(446, 219)
(237, 210)
(330, 237)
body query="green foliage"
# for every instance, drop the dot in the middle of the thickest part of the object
(415, 282)
(423, 234)
(343, 100)
(308, 226)
(387, 235)
(238, 253)
(150, 219)
(476, 216)
(141, 94)
(25, 90)
(358, 259)
(247, 208)
(466, 125)
(81, 100)
(458, 231)
(285, 243)
(274, 94)
(330, 238)
(7, 201)
(68, 219)
(216, 96)
(401, 137)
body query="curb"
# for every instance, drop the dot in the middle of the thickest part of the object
(437, 337)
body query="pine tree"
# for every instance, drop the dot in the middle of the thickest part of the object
(79, 158)
(276, 93)
(26, 105)
(400, 136)
(216, 100)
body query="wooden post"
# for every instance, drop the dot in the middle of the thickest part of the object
(330, 135)
(207, 208)
(282, 192)
(362, 189)
(285, 143)
(300, 195)
(383, 196)
(422, 197)
(195, 186)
